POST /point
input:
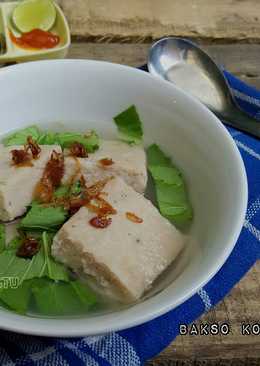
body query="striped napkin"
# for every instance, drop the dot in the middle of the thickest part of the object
(134, 346)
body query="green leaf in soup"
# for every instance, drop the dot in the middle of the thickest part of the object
(87, 297)
(40, 265)
(48, 138)
(14, 243)
(45, 217)
(66, 190)
(76, 188)
(60, 298)
(17, 298)
(171, 193)
(65, 139)
(20, 137)
(53, 270)
(170, 199)
(2, 237)
(89, 141)
(178, 215)
(61, 191)
(169, 210)
(13, 266)
(168, 175)
(129, 125)
(155, 157)
(173, 202)
(183, 218)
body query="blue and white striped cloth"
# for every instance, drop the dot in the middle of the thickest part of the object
(134, 346)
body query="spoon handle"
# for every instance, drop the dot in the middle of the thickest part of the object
(236, 118)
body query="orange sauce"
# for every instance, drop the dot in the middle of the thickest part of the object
(106, 162)
(132, 217)
(103, 208)
(100, 222)
(36, 39)
(95, 189)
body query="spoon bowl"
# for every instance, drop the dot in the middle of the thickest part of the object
(190, 68)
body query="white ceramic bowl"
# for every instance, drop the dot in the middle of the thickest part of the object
(79, 95)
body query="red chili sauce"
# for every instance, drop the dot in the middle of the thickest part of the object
(36, 38)
(106, 162)
(100, 222)
(28, 248)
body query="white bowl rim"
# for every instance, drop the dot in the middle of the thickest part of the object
(77, 327)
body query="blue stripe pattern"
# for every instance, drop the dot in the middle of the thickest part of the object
(134, 346)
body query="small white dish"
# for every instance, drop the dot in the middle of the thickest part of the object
(82, 95)
(17, 54)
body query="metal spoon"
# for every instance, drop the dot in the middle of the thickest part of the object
(190, 68)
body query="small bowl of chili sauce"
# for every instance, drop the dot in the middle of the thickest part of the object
(36, 44)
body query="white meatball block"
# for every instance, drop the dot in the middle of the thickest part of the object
(128, 162)
(125, 257)
(17, 184)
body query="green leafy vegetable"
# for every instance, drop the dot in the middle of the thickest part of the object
(173, 202)
(43, 217)
(165, 174)
(14, 243)
(129, 125)
(2, 237)
(76, 188)
(53, 270)
(90, 141)
(65, 139)
(170, 188)
(41, 265)
(61, 298)
(50, 297)
(66, 190)
(17, 298)
(156, 157)
(20, 137)
(62, 191)
(48, 138)
(53, 292)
